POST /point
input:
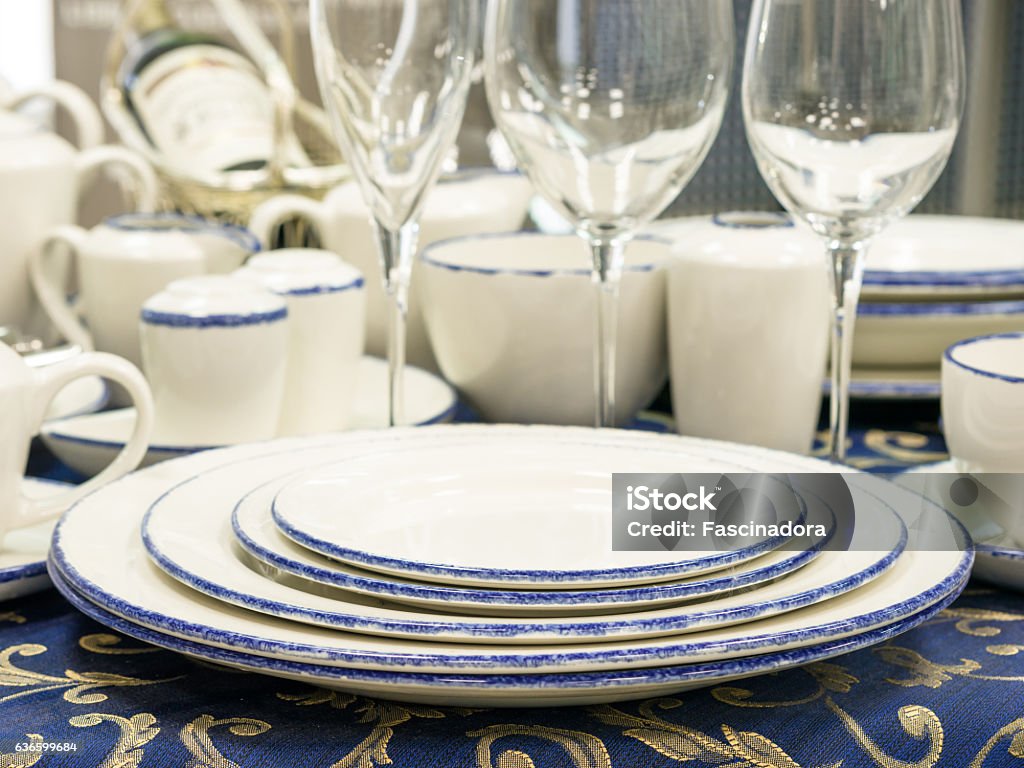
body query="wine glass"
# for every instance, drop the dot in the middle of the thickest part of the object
(851, 110)
(394, 76)
(609, 107)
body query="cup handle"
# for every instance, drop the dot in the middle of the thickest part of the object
(270, 214)
(52, 296)
(78, 105)
(130, 168)
(50, 380)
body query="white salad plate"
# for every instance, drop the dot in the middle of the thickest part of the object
(508, 690)
(82, 396)
(997, 559)
(23, 551)
(917, 333)
(208, 563)
(98, 548)
(282, 559)
(521, 510)
(89, 443)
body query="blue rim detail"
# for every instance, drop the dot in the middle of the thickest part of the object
(999, 278)
(321, 290)
(778, 220)
(677, 673)
(426, 256)
(987, 374)
(928, 309)
(596, 627)
(1000, 552)
(490, 655)
(187, 223)
(924, 389)
(661, 592)
(33, 569)
(176, 320)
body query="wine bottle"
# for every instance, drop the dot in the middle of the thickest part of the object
(201, 104)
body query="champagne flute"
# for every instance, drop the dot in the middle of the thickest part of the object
(851, 110)
(609, 107)
(394, 76)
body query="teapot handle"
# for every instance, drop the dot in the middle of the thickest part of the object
(78, 105)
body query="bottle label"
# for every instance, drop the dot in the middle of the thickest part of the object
(206, 108)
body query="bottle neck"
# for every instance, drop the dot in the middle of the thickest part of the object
(150, 16)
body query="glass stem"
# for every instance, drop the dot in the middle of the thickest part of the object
(607, 275)
(846, 269)
(397, 249)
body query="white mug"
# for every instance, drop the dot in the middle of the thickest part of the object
(748, 330)
(214, 349)
(470, 204)
(123, 262)
(25, 394)
(41, 179)
(327, 316)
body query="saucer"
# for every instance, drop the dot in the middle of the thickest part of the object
(89, 443)
(892, 384)
(23, 551)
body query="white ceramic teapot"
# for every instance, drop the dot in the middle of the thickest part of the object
(41, 179)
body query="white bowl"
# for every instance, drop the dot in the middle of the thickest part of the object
(511, 319)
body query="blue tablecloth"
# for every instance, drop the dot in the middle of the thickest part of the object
(949, 693)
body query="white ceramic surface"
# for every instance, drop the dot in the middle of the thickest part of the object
(748, 330)
(916, 334)
(123, 262)
(892, 384)
(326, 317)
(88, 443)
(25, 395)
(472, 203)
(511, 320)
(283, 560)
(80, 397)
(983, 403)
(208, 562)
(519, 511)
(99, 551)
(23, 552)
(215, 350)
(41, 179)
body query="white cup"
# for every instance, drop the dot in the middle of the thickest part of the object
(511, 317)
(983, 421)
(123, 262)
(214, 349)
(472, 203)
(25, 394)
(326, 317)
(748, 330)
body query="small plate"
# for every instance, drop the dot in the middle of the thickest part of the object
(892, 384)
(505, 690)
(515, 512)
(23, 551)
(82, 396)
(281, 559)
(89, 443)
(207, 561)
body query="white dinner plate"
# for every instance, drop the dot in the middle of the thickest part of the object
(23, 551)
(97, 547)
(909, 334)
(89, 443)
(82, 396)
(893, 384)
(208, 563)
(519, 510)
(506, 690)
(281, 559)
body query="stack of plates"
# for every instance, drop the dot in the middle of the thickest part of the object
(932, 281)
(472, 565)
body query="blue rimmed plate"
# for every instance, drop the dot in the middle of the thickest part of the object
(280, 558)
(23, 551)
(524, 689)
(97, 548)
(89, 443)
